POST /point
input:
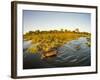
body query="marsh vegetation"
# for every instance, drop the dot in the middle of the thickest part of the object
(56, 48)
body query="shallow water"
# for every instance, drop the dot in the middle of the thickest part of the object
(68, 56)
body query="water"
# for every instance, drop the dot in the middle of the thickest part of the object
(26, 44)
(74, 53)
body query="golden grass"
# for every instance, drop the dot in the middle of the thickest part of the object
(48, 40)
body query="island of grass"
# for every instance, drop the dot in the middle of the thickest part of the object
(47, 42)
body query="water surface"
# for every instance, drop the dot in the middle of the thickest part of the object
(73, 53)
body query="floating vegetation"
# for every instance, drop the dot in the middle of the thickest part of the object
(88, 44)
(77, 47)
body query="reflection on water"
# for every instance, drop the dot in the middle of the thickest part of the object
(74, 53)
